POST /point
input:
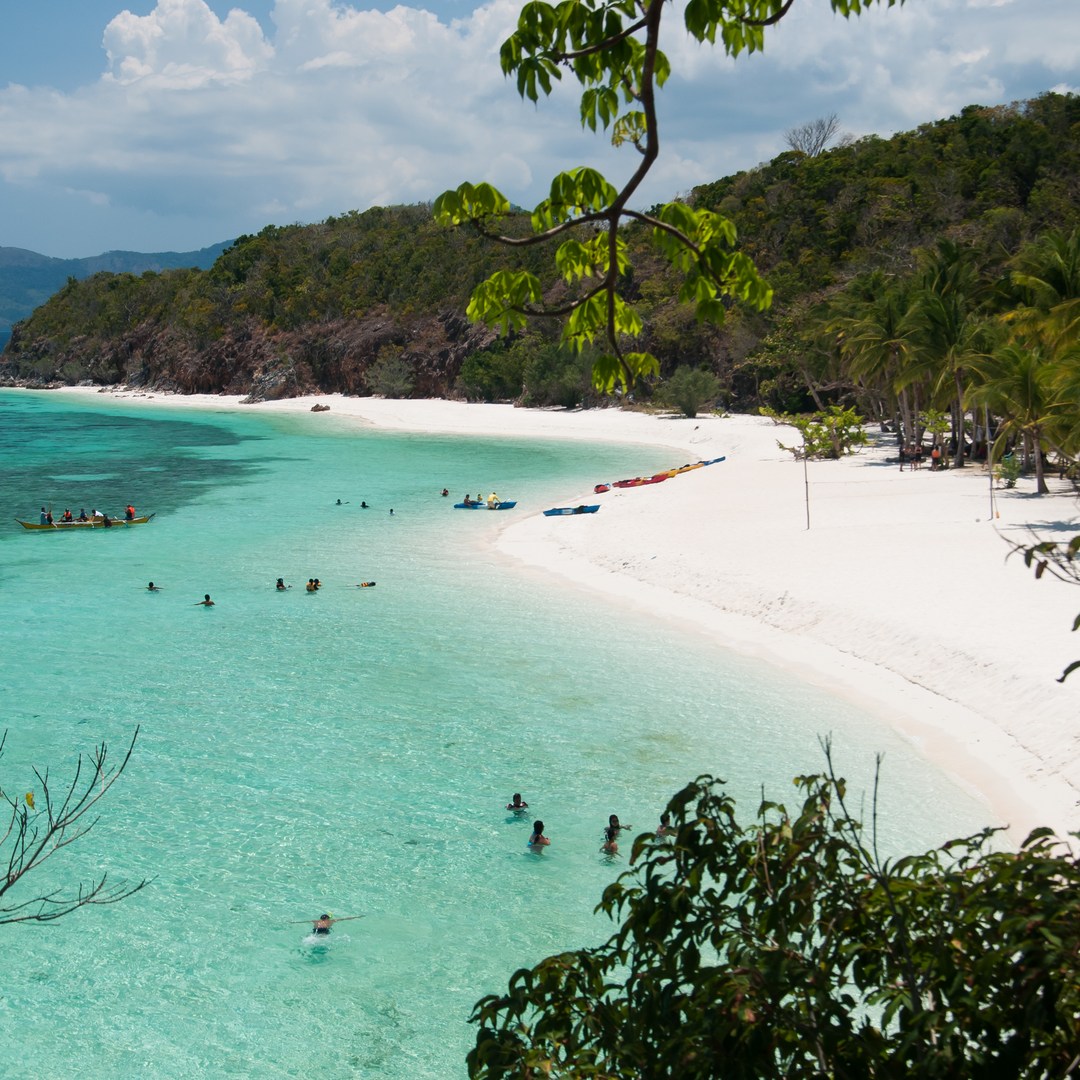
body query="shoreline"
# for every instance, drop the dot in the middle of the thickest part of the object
(898, 597)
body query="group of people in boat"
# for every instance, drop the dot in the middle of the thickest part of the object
(95, 515)
(492, 500)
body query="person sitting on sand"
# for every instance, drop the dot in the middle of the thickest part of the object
(538, 839)
(205, 601)
(517, 804)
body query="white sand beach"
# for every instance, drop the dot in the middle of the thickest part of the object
(899, 595)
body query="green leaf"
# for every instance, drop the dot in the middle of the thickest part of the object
(469, 202)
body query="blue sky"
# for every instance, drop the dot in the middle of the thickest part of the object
(175, 124)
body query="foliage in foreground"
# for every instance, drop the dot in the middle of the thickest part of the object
(44, 821)
(1062, 559)
(788, 947)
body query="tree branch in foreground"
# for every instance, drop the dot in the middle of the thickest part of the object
(45, 821)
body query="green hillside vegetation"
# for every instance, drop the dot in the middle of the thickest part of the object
(28, 279)
(374, 302)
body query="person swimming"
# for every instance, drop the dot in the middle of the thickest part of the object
(153, 588)
(281, 586)
(205, 601)
(517, 804)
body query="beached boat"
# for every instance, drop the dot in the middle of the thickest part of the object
(484, 506)
(558, 511)
(656, 478)
(93, 523)
(641, 481)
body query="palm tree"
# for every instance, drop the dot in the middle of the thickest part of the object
(1020, 382)
(953, 335)
(873, 325)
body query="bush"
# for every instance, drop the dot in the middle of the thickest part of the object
(390, 374)
(831, 433)
(690, 390)
(1007, 471)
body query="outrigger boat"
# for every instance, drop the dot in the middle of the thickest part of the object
(91, 523)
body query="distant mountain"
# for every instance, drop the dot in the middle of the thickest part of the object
(28, 279)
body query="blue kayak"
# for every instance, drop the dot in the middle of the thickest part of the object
(484, 506)
(560, 510)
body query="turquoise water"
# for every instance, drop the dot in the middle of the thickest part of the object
(349, 751)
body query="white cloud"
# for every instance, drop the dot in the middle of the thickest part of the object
(182, 44)
(208, 123)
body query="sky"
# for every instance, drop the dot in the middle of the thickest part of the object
(171, 125)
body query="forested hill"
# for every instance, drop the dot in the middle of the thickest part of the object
(28, 279)
(374, 302)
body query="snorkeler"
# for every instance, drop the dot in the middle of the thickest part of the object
(322, 924)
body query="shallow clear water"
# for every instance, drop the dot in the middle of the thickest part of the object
(349, 751)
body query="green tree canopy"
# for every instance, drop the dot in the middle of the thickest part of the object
(612, 48)
(786, 946)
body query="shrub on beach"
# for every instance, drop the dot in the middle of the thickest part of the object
(690, 390)
(830, 433)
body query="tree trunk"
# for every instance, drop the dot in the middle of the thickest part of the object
(1040, 479)
(958, 427)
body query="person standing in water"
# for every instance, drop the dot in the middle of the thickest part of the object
(610, 845)
(538, 840)
(205, 601)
